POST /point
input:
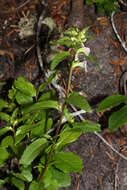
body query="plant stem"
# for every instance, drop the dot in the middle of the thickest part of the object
(57, 129)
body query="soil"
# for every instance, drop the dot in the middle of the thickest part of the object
(103, 169)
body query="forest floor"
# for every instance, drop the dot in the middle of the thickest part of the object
(103, 169)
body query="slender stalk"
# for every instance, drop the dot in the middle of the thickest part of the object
(57, 129)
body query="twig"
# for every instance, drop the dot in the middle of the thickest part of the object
(78, 183)
(22, 5)
(116, 177)
(110, 146)
(123, 44)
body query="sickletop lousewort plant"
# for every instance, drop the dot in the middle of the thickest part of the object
(32, 143)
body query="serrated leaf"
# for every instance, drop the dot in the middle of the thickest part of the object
(4, 116)
(32, 151)
(111, 101)
(59, 58)
(18, 183)
(87, 126)
(68, 162)
(49, 104)
(4, 130)
(3, 104)
(79, 101)
(25, 87)
(23, 99)
(117, 119)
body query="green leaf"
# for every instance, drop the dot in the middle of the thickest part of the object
(32, 151)
(19, 138)
(78, 101)
(48, 81)
(4, 116)
(3, 154)
(25, 175)
(3, 104)
(25, 87)
(72, 31)
(12, 93)
(7, 141)
(111, 101)
(68, 136)
(54, 178)
(18, 183)
(59, 58)
(2, 182)
(48, 95)
(42, 105)
(117, 119)
(24, 129)
(68, 162)
(87, 126)
(4, 130)
(68, 116)
(63, 179)
(23, 99)
(34, 186)
(65, 41)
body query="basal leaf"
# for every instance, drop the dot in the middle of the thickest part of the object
(68, 162)
(117, 119)
(111, 101)
(25, 87)
(59, 58)
(78, 101)
(32, 151)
